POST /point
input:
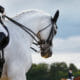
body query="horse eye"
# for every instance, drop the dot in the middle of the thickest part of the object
(50, 43)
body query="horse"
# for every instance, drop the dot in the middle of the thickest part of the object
(18, 52)
(77, 78)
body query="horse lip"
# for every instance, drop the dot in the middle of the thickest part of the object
(47, 55)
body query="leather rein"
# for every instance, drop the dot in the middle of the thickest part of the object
(35, 36)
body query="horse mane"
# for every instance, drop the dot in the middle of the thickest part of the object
(30, 11)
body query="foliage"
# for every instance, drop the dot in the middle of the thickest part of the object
(73, 67)
(55, 72)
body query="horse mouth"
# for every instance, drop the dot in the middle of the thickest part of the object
(46, 55)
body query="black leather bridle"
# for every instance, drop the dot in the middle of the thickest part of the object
(40, 41)
(36, 37)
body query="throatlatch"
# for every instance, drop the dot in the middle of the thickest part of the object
(4, 40)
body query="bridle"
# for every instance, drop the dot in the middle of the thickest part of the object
(37, 37)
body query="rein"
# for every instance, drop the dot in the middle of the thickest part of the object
(26, 29)
(30, 32)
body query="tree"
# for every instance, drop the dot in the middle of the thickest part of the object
(38, 72)
(58, 70)
(73, 67)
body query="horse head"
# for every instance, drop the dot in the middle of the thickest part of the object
(46, 45)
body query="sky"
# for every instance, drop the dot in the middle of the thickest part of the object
(67, 40)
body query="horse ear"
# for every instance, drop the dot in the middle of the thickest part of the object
(54, 19)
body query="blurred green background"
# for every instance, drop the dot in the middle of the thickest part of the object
(55, 71)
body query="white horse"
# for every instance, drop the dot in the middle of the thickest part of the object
(18, 53)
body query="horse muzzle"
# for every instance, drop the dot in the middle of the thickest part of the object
(46, 53)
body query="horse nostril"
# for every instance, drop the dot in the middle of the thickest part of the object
(46, 52)
(50, 54)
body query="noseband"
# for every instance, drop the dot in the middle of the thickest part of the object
(45, 44)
